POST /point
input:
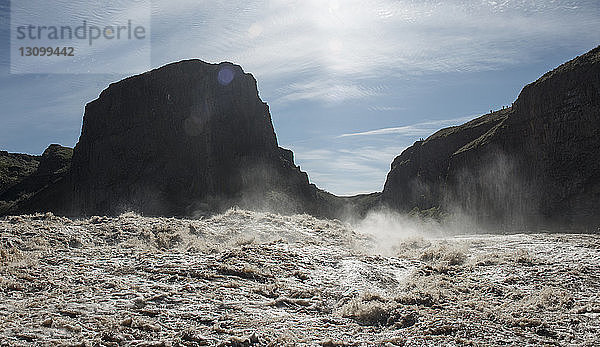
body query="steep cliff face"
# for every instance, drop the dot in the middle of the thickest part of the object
(418, 175)
(537, 163)
(187, 136)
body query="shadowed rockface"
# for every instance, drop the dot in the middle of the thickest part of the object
(187, 138)
(34, 183)
(532, 165)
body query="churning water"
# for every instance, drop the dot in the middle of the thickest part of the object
(243, 278)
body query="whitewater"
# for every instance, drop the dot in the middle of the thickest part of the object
(246, 278)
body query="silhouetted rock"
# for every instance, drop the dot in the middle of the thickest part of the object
(418, 176)
(36, 185)
(187, 137)
(534, 164)
(14, 167)
(55, 160)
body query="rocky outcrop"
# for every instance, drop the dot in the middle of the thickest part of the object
(187, 137)
(418, 176)
(534, 164)
(36, 179)
(14, 167)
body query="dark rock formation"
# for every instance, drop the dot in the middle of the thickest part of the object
(418, 175)
(35, 180)
(14, 167)
(186, 137)
(534, 164)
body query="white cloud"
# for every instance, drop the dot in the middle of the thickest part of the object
(419, 129)
(386, 108)
(348, 44)
(324, 90)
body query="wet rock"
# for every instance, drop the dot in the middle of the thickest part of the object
(127, 322)
(190, 336)
(139, 303)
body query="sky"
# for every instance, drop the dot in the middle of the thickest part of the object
(350, 83)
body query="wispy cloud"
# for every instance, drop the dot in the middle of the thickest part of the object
(424, 128)
(358, 163)
(342, 46)
(386, 108)
(324, 90)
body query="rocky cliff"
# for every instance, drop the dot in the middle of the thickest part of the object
(32, 181)
(534, 164)
(186, 137)
(14, 167)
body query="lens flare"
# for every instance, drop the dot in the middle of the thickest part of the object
(226, 75)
